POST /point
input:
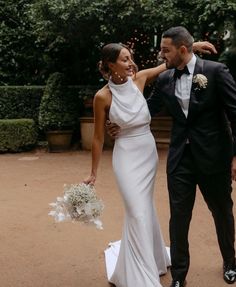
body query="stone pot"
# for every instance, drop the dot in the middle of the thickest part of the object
(59, 141)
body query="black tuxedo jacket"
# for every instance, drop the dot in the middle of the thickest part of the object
(210, 125)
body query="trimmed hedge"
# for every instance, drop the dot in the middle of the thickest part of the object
(23, 102)
(20, 102)
(58, 109)
(17, 135)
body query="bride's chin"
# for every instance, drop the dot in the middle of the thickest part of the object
(130, 74)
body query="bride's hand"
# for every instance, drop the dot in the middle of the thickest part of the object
(90, 180)
(204, 47)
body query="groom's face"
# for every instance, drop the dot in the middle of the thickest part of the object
(172, 55)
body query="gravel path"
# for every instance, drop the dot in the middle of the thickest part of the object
(36, 252)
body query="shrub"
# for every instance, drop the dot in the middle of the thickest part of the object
(17, 102)
(17, 135)
(58, 109)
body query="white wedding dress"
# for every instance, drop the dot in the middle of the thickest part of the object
(141, 256)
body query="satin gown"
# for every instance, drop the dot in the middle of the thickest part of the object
(142, 254)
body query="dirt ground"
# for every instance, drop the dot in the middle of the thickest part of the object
(37, 252)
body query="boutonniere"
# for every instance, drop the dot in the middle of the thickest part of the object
(201, 81)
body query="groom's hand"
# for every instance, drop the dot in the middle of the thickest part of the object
(204, 47)
(112, 129)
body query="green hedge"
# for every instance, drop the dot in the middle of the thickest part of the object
(20, 102)
(17, 135)
(17, 102)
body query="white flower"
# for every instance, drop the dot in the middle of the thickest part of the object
(200, 80)
(226, 35)
(79, 203)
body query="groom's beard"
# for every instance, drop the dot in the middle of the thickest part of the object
(174, 63)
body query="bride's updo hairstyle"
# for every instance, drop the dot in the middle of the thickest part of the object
(110, 53)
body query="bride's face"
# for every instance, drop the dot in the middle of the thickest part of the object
(124, 65)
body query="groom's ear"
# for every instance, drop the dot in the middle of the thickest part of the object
(183, 49)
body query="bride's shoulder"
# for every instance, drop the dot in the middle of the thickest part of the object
(103, 92)
(103, 95)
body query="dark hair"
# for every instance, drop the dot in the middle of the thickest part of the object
(110, 53)
(180, 36)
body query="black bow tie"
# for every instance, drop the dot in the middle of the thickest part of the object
(179, 73)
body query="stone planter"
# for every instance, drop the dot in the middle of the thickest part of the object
(59, 141)
(86, 130)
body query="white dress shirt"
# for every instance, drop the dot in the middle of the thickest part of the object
(183, 86)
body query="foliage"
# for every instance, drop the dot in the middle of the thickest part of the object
(17, 135)
(21, 60)
(228, 56)
(57, 110)
(66, 35)
(20, 102)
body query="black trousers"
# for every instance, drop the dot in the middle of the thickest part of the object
(216, 190)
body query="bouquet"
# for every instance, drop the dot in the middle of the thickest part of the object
(79, 203)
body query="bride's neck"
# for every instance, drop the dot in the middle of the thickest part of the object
(118, 80)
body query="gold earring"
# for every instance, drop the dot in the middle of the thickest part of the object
(119, 76)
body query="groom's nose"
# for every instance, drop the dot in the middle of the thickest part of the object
(162, 54)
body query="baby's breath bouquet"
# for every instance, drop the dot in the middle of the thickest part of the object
(79, 203)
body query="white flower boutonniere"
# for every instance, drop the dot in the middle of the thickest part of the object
(201, 81)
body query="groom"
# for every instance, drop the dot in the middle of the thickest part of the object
(200, 95)
(201, 98)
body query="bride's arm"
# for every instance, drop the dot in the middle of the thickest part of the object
(98, 136)
(204, 47)
(146, 76)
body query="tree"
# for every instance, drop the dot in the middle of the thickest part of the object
(66, 35)
(20, 60)
(73, 31)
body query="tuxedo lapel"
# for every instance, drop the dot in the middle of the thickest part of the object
(193, 103)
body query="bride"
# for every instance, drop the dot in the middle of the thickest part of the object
(142, 255)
